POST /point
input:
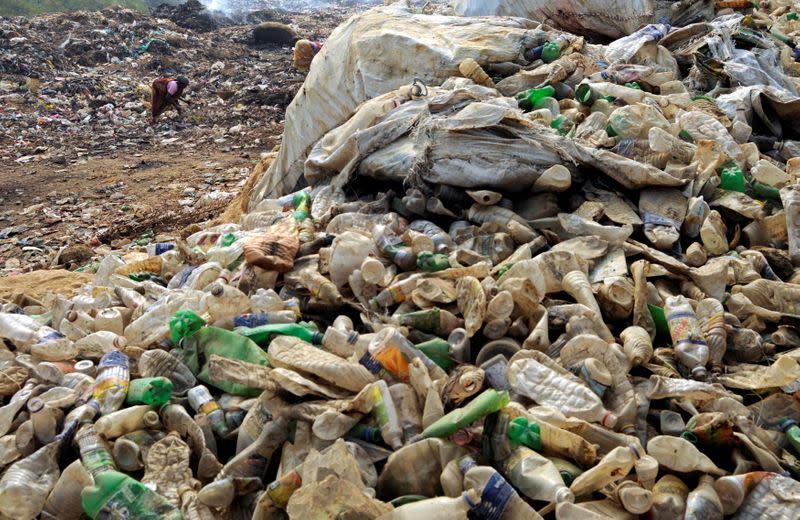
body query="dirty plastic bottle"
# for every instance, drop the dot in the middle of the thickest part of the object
(613, 466)
(393, 247)
(385, 413)
(439, 508)
(201, 400)
(263, 335)
(94, 454)
(97, 344)
(160, 363)
(155, 391)
(669, 498)
(125, 421)
(489, 401)
(530, 378)
(497, 498)
(790, 197)
(111, 320)
(774, 497)
(111, 383)
(391, 352)
(733, 489)
(703, 502)
(687, 337)
(433, 321)
(118, 495)
(64, 501)
(26, 483)
(536, 477)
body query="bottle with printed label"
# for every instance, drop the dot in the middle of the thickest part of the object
(160, 363)
(498, 498)
(391, 245)
(390, 352)
(111, 383)
(687, 337)
(201, 400)
(116, 495)
(94, 454)
(385, 414)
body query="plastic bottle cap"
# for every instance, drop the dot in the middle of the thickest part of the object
(699, 373)
(84, 366)
(71, 316)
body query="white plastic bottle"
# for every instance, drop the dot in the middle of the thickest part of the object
(439, 508)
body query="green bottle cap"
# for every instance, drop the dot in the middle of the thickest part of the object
(550, 52)
(633, 85)
(185, 323)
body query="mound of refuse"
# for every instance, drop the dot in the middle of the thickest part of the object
(495, 271)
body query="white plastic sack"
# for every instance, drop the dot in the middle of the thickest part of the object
(612, 18)
(374, 53)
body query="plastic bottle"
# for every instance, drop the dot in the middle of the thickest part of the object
(680, 455)
(733, 489)
(535, 476)
(154, 391)
(393, 247)
(391, 352)
(345, 344)
(530, 378)
(201, 400)
(774, 497)
(396, 293)
(24, 331)
(497, 498)
(111, 383)
(26, 483)
(439, 508)
(385, 412)
(159, 363)
(790, 197)
(614, 466)
(64, 501)
(263, 335)
(433, 321)
(117, 495)
(125, 421)
(489, 401)
(97, 344)
(95, 455)
(442, 243)
(253, 460)
(669, 498)
(687, 337)
(531, 99)
(703, 502)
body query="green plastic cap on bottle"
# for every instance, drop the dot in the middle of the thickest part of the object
(521, 431)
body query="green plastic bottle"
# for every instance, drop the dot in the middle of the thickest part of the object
(438, 350)
(432, 262)
(263, 335)
(530, 99)
(489, 401)
(660, 319)
(585, 95)
(792, 430)
(116, 495)
(765, 191)
(155, 391)
(302, 205)
(562, 124)
(525, 432)
(732, 178)
(551, 51)
(184, 323)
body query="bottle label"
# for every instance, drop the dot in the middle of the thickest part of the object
(208, 407)
(251, 320)
(163, 247)
(97, 461)
(495, 498)
(137, 502)
(281, 490)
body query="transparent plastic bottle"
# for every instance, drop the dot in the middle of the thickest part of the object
(160, 363)
(95, 455)
(117, 495)
(687, 337)
(25, 485)
(64, 501)
(125, 421)
(669, 498)
(790, 196)
(536, 477)
(201, 400)
(97, 344)
(439, 508)
(614, 466)
(111, 383)
(703, 502)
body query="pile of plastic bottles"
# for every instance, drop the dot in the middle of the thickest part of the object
(441, 354)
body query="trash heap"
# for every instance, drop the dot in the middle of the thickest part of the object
(562, 285)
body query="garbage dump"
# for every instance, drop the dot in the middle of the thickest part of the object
(512, 274)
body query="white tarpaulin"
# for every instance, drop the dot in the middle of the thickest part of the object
(375, 53)
(612, 18)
